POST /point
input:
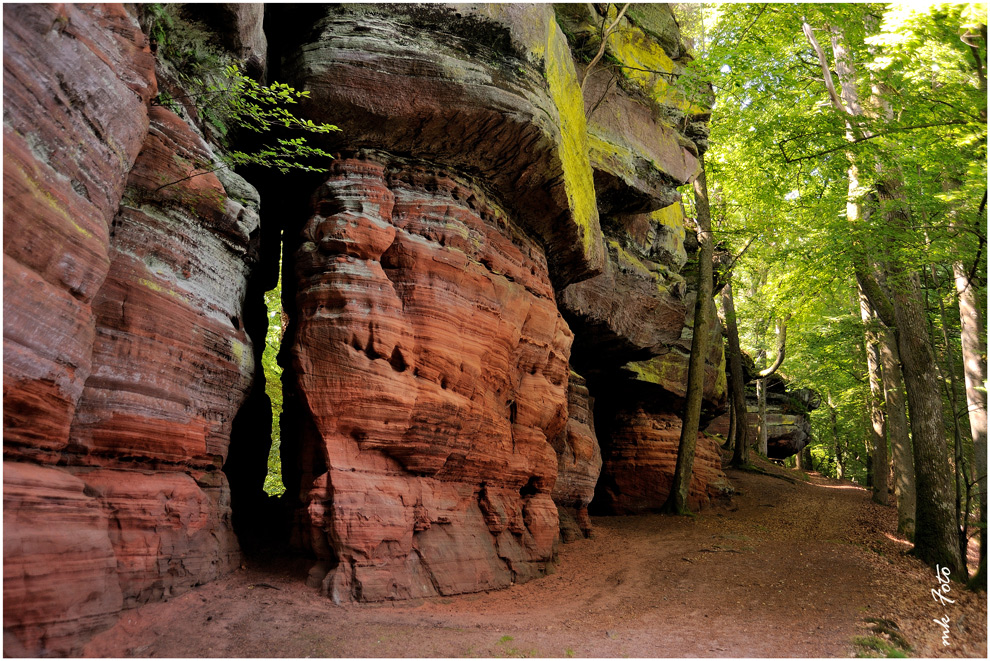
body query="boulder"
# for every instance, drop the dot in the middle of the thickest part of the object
(788, 422)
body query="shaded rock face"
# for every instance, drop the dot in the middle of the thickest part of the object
(489, 101)
(639, 470)
(433, 362)
(788, 422)
(633, 323)
(124, 362)
(486, 89)
(579, 462)
(76, 86)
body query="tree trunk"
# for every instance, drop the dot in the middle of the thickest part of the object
(703, 313)
(761, 383)
(936, 540)
(740, 450)
(879, 460)
(897, 431)
(731, 435)
(935, 529)
(840, 465)
(960, 473)
(806, 459)
(974, 350)
(761, 402)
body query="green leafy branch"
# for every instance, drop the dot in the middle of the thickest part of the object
(227, 99)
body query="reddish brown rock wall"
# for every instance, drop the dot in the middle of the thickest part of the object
(579, 462)
(639, 467)
(76, 85)
(440, 442)
(433, 362)
(59, 568)
(124, 361)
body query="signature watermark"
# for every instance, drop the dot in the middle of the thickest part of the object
(941, 595)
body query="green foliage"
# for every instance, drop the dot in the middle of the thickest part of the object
(886, 641)
(273, 384)
(225, 100)
(778, 171)
(875, 647)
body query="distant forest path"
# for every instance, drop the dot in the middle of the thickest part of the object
(788, 568)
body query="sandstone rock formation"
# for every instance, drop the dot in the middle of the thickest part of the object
(633, 322)
(579, 462)
(124, 360)
(454, 102)
(433, 362)
(490, 229)
(788, 422)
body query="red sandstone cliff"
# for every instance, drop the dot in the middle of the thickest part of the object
(124, 360)
(489, 231)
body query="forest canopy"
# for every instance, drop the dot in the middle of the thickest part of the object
(847, 176)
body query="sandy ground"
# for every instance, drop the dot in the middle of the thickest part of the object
(786, 569)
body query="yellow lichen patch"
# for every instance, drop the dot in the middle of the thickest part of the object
(242, 356)
(156, 287)
(617, 158)
(43, 193)
(602, 149)
(660, 370)
(579, 183)
(630, 262)
(672, 218)
(646, 64)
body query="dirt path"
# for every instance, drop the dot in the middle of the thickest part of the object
(788, 569)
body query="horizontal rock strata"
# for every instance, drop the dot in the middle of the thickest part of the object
(433, 362)
(124, 357)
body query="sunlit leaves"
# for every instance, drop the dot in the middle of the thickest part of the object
(779, 167)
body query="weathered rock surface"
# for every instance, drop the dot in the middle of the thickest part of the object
(640, 462)
(433, 362)
(485, 215)
(633, 322)
(488, 89)
(170, 360)
(124, 360)
(59, 569)
(641, 408)
(579, 462)
(788, 423)
(76, 85)
(169, 530)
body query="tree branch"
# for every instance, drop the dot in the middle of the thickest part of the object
(601, 49)
(865, 138)
(728, 269)
(748, 27)
(826, 71)
(877, 296)
(781, 344)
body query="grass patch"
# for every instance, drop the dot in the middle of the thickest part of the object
(504, 651)
(886, 641)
